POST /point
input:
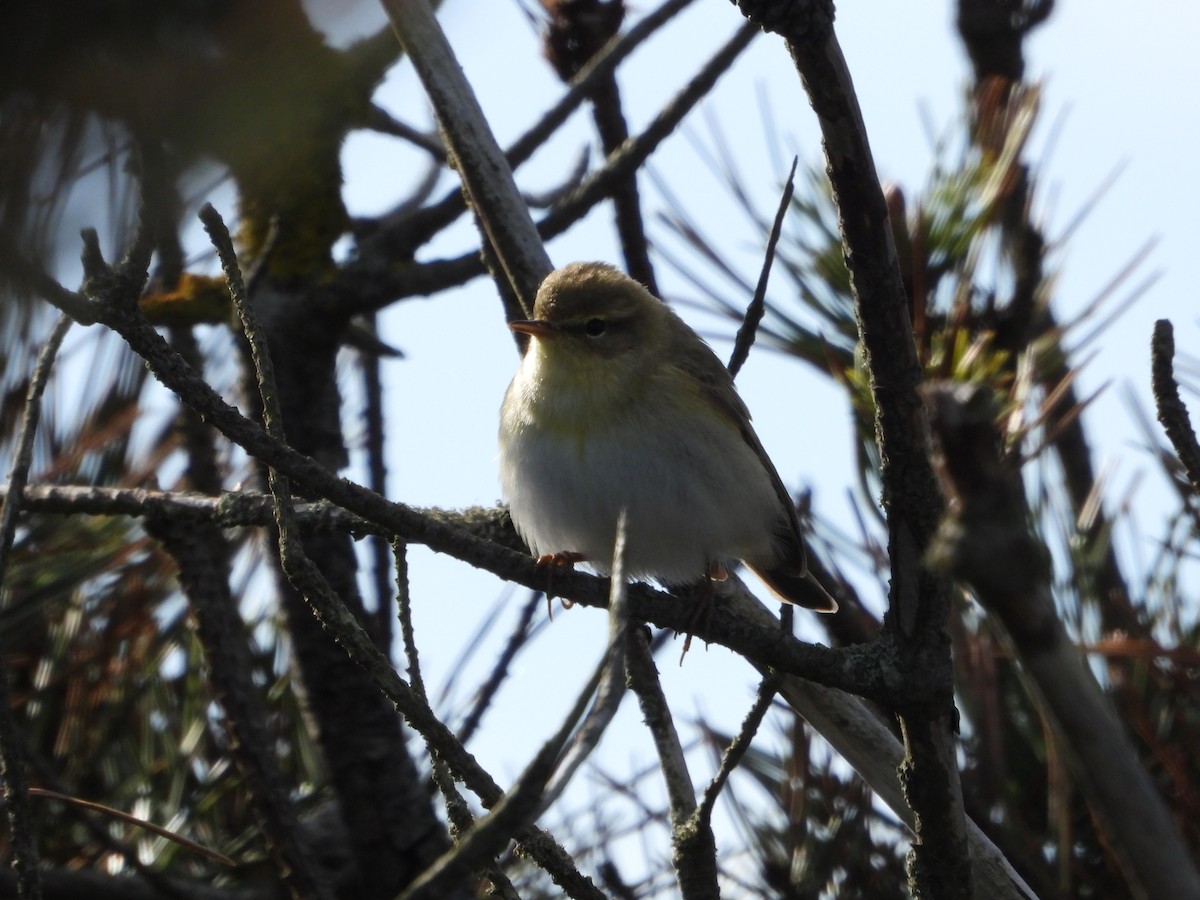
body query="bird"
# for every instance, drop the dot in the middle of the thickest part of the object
(618, 404)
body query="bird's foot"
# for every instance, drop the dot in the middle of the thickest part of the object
(716, 572)
(556, 563)
(705, 596)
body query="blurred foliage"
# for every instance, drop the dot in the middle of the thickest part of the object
(812, 828)
(108, 680)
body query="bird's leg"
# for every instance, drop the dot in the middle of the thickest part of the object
(706, 597)
(564, 560)
(554, 563)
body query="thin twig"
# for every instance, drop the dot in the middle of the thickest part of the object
(32, 278)
(1171, 411)
(458, 811)
(380, 120)
(763, 699)
(612, 686)
(754, 312)
(374, 446)
(123, 816)
(16, 790)
(512, 814)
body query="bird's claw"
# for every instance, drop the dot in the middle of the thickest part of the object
(555, 563)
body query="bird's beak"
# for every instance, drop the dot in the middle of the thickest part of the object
(536, 327)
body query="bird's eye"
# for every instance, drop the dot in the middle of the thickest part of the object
(595, 327)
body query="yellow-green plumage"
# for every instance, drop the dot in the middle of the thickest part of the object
(618, 404)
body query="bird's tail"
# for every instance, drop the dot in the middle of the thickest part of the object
(799, 588)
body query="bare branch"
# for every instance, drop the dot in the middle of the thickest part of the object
(486, 175)
(373, 283)
(695, 856)
(485, 539)
(767, 689)
(1171, 412)
(754, 313)
(36, 281)
(405, 232)
(380, 120)
(987, 543)
(919, 600)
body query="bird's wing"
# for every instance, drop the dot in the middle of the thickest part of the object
(699, 361)
(789, 579)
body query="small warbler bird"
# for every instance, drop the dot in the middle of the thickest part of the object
(618, 404)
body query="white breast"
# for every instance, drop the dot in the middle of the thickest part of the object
(694, 490)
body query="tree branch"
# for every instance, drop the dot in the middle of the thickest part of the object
(374, 281)
(401, 233)
(486, 176)
(919, 600)
(856, 731)
(695, 850)
(1171, 412)
(485, 538)
(987, 543)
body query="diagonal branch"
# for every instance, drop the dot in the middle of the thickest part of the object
(487, 178)
(371, 283)
(987, 543)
